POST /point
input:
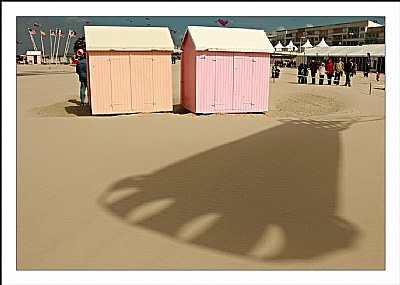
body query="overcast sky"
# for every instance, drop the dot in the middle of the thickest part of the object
(178, 23)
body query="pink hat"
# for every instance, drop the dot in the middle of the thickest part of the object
(80, 52)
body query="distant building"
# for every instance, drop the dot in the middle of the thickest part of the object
(375, 35)
(34, 57)
(345, 34)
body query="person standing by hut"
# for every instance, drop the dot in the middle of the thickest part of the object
(81, 71)
(348, 68)
(338, 67)
(329, 70)
(313, 70)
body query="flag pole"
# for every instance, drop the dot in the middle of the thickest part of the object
(41, 39)
(51, 47)
(58, 44)
(66, 45)
(54, 46)
(33, 41)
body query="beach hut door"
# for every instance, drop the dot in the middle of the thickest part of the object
(243, 78)
(223, 81)
(142, 81)
(120, 81)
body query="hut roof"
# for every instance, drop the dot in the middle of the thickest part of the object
(229, 39)
(128, 38)
(33, 52)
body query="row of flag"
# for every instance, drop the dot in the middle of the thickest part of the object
(53, 33)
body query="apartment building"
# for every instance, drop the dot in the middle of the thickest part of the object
(345, 34)
(375, 35)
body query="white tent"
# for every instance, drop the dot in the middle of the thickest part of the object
(322, 43)
(307, 45)
(377, 50)
(291, 47)
(279, 46)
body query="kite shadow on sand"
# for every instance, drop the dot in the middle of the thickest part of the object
(270, 196)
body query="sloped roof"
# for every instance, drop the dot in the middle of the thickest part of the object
(307, 44)
(290, 45)
(358, 51)
(33, 52)
(128, 38)
(322, 43)
(229, 39)
(278, 45)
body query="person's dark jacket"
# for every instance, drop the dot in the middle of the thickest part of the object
(81, 70)
(313, 67)
(348, 67)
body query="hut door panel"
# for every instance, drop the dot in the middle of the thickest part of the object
(260, 83)
(162, 78)
(223, 82)
(100, 85)
(205, 82)
(142, 81)
(243, 79)
(120, 81)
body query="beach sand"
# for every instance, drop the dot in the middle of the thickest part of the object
(300, 187)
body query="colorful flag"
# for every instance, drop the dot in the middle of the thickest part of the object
(43, 34)
(37, 25)
(52, 32)
(32, 32)
(62, 35)
(72, 33)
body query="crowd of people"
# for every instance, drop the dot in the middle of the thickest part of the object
(332, 70)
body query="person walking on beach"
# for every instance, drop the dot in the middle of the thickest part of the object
(300, 73)
(354, 68)
(81, 71)
(367, 68)
(313, 70)
(322, 72)
(348, 67)
(338, 67)
(305, 73)
(329, 70)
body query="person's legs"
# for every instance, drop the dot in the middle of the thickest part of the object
(347, 79)
(321, 79)
(312, 78)
(83, 89)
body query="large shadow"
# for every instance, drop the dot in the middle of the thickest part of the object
(78, 110)
(232, 198)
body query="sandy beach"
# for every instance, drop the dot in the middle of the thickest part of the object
(299, 187)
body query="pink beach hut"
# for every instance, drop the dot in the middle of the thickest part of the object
(129, 69)
(225, 70)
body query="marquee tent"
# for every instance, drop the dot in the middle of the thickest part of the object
(376, 50)
(307, 45)
(291, 47)
(322, 43)
(279, 46)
